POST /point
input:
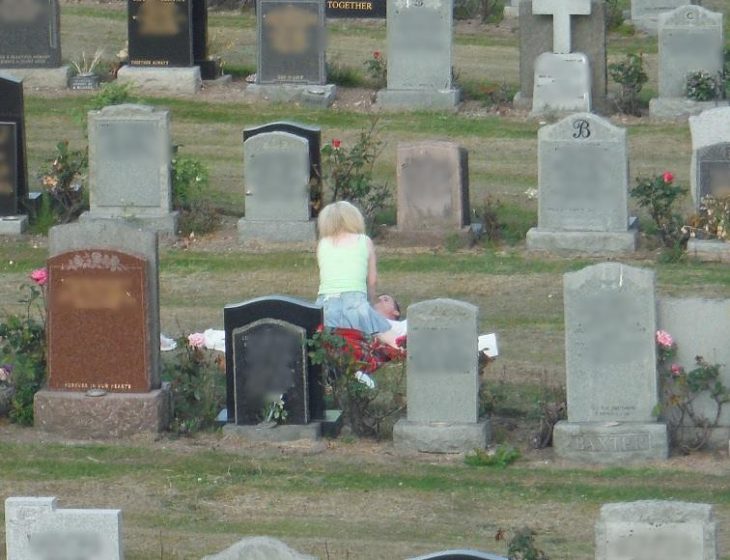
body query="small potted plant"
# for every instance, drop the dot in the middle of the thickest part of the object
(86, 78)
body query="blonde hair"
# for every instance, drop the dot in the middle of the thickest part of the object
(340, 217)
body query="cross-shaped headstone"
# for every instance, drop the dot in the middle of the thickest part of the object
(561, 10)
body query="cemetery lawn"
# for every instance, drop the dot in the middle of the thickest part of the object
(342, 499)
(183, 498)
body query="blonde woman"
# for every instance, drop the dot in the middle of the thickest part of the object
(348, 272)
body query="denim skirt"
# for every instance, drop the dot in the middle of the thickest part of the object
(352, 310)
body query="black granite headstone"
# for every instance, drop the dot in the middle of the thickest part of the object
(267, 355)
(13, 167)
(713, 171)
(209, 69)
(460, 555)
(160, 33)
(29, 34)
(362, 9)
(291, 39)
(313, 134)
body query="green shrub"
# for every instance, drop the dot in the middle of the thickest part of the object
(501, 456)
(631, 77)
(701, 86)
(377, 70)
(62, 179)
(111, 93)
(190, 181)
(23, 349)
(660, 196)
(342, 75)
(198, 384)
(522, 546)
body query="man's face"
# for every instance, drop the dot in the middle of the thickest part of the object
(386, 307)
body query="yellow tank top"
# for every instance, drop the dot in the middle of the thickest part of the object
(342, 268)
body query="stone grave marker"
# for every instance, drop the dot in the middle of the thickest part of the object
(645, 13)
(710, 171)
(313, 135)
(691, 39)
(700, 327)
(583, 174)
(461, 554)
(160, 33)
(291, 56)
(277, 178)
(35, 529)
(103, 332)
(443, 380)
(587, 36)
(167, 46)
(420, 44)
(652, 529)
(433, 186)
(13, 165)
(267, 356)
(610, 360)
(29, 34)
(130, 157)
(259, 548)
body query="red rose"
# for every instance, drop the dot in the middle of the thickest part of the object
(376, 55)
(336, 143)
(668, 177)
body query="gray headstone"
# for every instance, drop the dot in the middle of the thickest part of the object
(700, 327)
(691, 38)
(130, 164)
(96, 237)
(588, 36)
(433, 186)
(653, 529)
(292, 42)
(259, 548)
(562, 83)
(443, 382)
(29, 34)
(277, 174)
(710, 172)
(645, 13)
(420, 45)
(36, 530)
(610, 353)
(583, 173)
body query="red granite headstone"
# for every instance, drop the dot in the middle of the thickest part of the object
(98, 334)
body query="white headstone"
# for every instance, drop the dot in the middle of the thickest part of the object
(562, 83)
(36, 530)
(710, 130)
(645, 13)
(562, 12)
(653, 530)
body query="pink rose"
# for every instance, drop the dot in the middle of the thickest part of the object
(40, 276)
(4, 374)
(196, 340)
(376, 55)
(676, 369)
(664, 339)
(668, 177)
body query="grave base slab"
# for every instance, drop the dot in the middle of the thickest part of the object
(114, 415)
(176, 81)
(165, 224)
(582, 242)
(418, 100)
(709, 250)
(611, 442)
(680, 108)
(441, 437)
(41, 78)
(275, 434)
(224, 80)
(13, 225)
(311, 95)
(276, 232)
